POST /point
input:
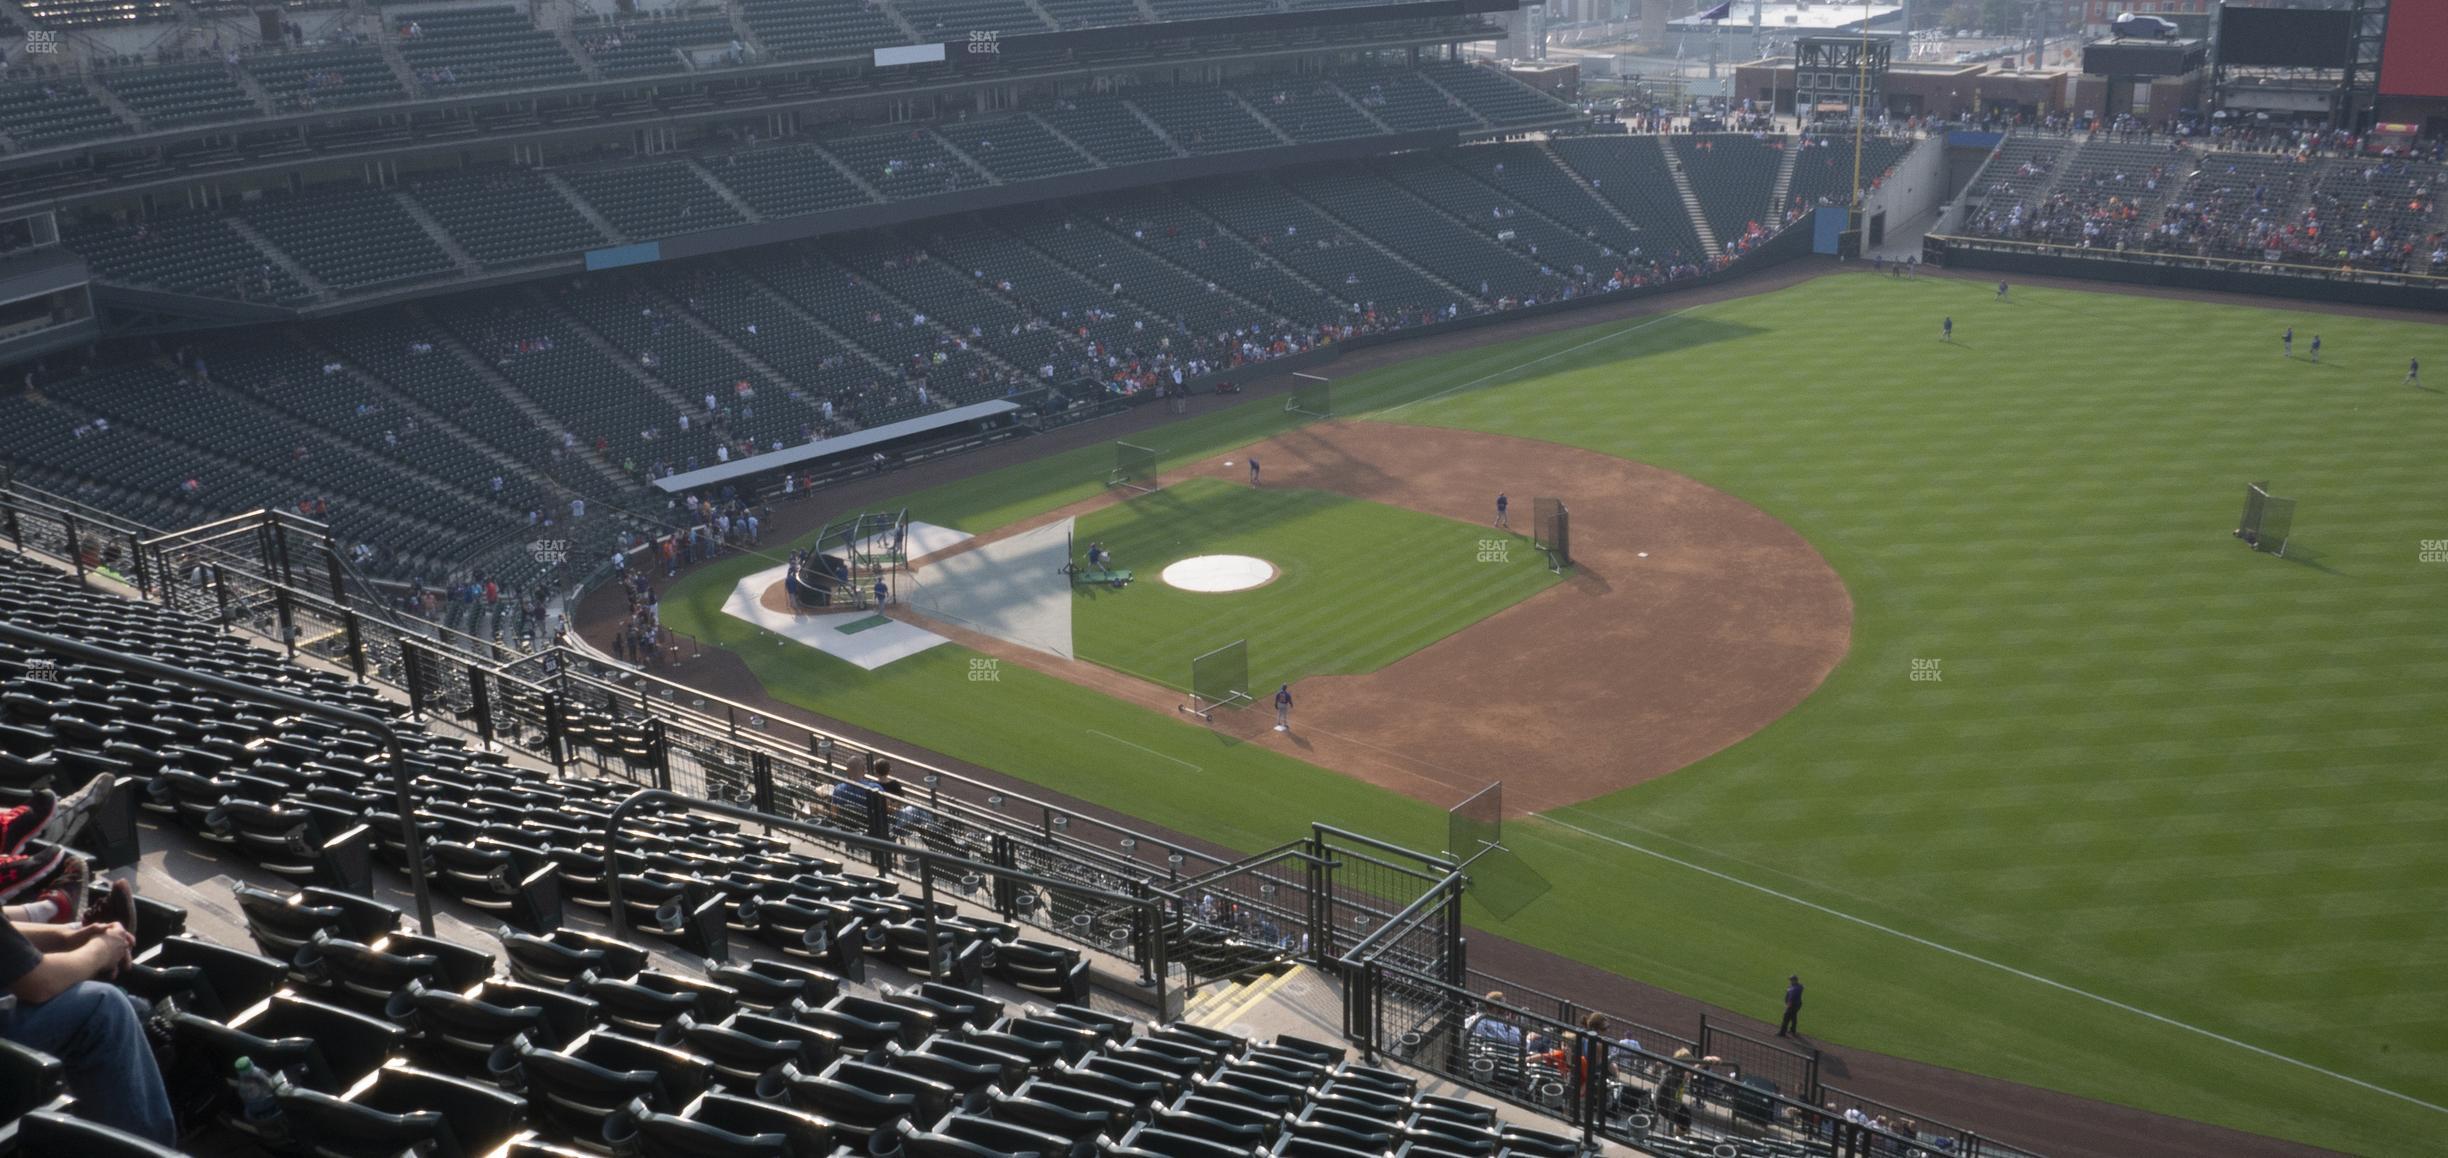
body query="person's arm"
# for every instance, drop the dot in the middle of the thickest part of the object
(53, 938)
(99, 951)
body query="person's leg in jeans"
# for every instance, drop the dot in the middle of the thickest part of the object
(98, 1031)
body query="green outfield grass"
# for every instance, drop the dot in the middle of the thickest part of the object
(1360, 585)
(2170, 829)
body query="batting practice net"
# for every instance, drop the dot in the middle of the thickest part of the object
(1220, 679)
(1311, 396)
(1134, 467)
(2268, 520)
(1551, 532)
(1501, 881)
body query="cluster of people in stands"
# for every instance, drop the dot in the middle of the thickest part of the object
(639, 638)
(2353, 214)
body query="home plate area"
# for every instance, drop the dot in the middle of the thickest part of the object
(863, 638)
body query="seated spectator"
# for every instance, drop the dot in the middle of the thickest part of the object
(65, 1009)
(1494, 1023)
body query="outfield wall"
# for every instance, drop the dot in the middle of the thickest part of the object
(2400, 291)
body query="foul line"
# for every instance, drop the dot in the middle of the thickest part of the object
(1950, 950)
(1146, 749)
(1543, 357)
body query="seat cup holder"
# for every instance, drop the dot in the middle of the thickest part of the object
(620, 1134)
(503, 1067)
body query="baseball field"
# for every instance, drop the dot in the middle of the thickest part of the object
(1928, 670)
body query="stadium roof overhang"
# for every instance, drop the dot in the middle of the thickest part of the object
(725, 94)
(832, 450)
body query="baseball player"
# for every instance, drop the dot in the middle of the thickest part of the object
(1283, 708)
(1253, 471)
(2413, 372)
(2286, 343)
(1946, 330)
(2316, 349)
(1502, 505)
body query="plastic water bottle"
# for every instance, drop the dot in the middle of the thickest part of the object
(259, 1102)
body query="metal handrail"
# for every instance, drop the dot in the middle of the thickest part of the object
(928, 860)
(1363, 952)
(1297, 850)
(712, 722)
(413, 837)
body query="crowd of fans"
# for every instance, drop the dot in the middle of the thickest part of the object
(2305, 200)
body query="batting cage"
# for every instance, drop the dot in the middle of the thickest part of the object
(2268, 520)
(1551, 532)
(1311, 395)
(1134, 467)
(1220, 679)
(1500, 880)
(849, 557)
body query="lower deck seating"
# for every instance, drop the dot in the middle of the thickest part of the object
(1733, 174)
(1631, 174)
(2242, 205)
(835, 335)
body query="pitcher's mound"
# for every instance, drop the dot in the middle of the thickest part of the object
(1214, 574)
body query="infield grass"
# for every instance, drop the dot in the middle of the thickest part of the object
(1359, 584)
(2170, 829)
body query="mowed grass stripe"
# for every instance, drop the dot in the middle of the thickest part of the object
(2043, 507)
(2091, 510)
(1360, 585)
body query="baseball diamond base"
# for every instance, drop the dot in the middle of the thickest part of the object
(1691, 620)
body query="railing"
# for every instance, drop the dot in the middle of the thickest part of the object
(1386, 919)
(85, 538)
(2342, 272)
(1612, 1087)
(1011, 892)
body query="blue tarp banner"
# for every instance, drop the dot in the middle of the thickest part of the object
(1826, 227)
